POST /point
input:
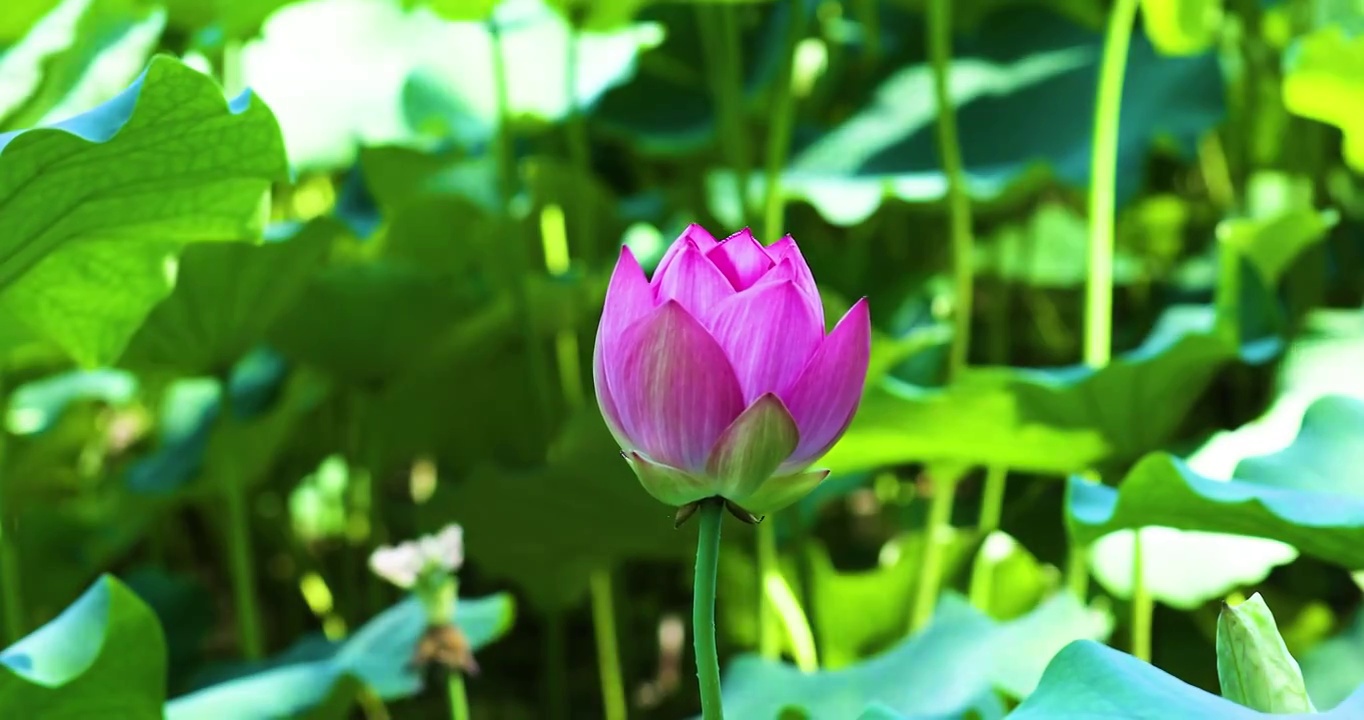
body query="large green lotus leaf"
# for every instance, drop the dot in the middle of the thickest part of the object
(856, 613)
(952, 668)
(1307, 495)
(437, 77)
(76, 57)
(378, 654)
(1322, 81)
(1048, 421)
(1027, 64)
(102, 657)
(1089, 680)
(1272, 243)
(96, 208)
(225, 299)
(240, 450)
(583, 510)
(19, 17)
(228, 19)
(1185, 569)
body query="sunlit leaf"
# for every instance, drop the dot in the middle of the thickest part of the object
(104, 656)
(955, 665)
(79, 55)
(1322, 81)
(1052, 421)
(1307, 495)
(97, 208)
(1182, 27)
(1254, 666)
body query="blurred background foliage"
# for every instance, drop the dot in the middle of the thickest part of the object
(229, 424)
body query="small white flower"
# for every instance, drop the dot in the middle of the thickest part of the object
(404, 564)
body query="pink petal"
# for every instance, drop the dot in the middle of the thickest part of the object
(751, 449)
(694, 282)
(785, 249)
(694, 233)
(791, 270)
(741, 258)
(769, 334)
(825, 397)
(673, 387)
(628, 298)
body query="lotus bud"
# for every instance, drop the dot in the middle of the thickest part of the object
(716, 376)
(1254, 666)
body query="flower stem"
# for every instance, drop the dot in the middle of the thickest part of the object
(769, 635)
(459, 700)
(936, 537)
(10, 576)
(1143, 605)
(703, 608)
(720, 41)
(991, 509)
(240, 557)
(608, 650)
(958, 201)
(1103, 182)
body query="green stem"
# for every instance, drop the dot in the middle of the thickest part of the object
(944, 483)
(720, 40)
(1077, 571)
(779, 132)
(580, 156)
(703, 608)
(1227, 294)
(1143, 605)
(958, 201)
(556, 661)
(1103, 171)
(240, 554)
(520, 270)
(1103, 180)
(10, 575)
(459, 700)
(608, 650)
(991, 510)
(769, 631)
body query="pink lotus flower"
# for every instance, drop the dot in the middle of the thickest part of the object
(716, 376)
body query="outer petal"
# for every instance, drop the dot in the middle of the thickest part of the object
(751, 449)
(741, 258)
(825, 397)
(628, 298)
(673, 387)
(695, 234)
(694, 282)
(668, 484)
(769, 334)
(784, 250)
(778, 492)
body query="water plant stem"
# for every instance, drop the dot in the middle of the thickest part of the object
(608, 648)
(580, 157)
(1143, 605)
(1103, 180)
(459, 700)
(769, 630)
(241, 559)
(720, 41)
(958, 201)
(991, 510)
(944, 484)
(703, 608)
(10, 575)
(519, 270)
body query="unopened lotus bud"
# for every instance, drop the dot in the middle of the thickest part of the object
(1253, 664)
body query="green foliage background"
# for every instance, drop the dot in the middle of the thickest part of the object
(281, 282)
